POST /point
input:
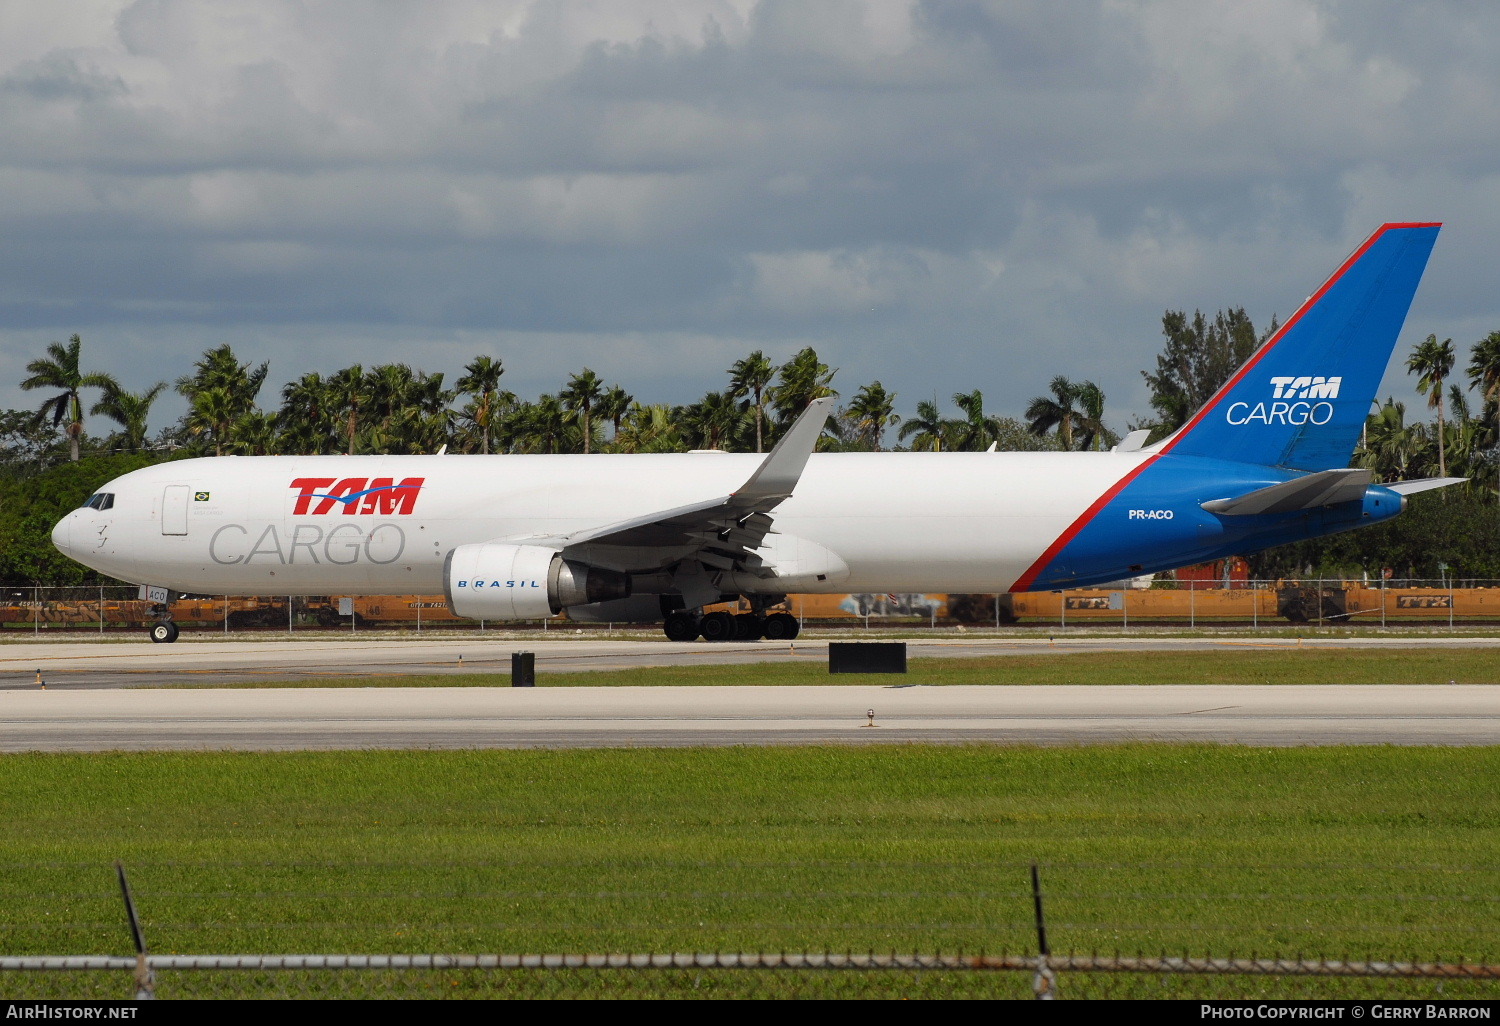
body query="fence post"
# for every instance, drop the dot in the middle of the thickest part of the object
(1045, 981)
(145, 980)
(101, 609)
(36, 619)
(1192, 605)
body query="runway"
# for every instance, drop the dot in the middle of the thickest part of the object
(584, 717)
(77, 663)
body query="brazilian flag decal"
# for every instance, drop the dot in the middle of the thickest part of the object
(200, 496)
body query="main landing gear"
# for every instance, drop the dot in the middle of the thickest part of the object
(686, 625)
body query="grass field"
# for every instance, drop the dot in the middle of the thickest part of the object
(1233, 664)
(1336, 852)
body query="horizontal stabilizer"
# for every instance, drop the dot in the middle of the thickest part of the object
(1324, 488)
(1423, 484)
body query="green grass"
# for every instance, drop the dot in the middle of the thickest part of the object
(1337, 852)
(1233, 664)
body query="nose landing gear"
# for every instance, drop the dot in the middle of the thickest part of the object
(163, 631)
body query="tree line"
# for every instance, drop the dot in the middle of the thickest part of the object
(393, 408)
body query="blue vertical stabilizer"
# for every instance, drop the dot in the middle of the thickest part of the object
(1300, 400)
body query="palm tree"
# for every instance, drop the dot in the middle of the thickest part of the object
(481, 380)
(1433, 361)
(614, 404)
(349, 392)
(1090, 424)
(254, 434)
(548, 423)
(59, 369)
(1044, 413)
(749, 378)
(420, 419)
(306, 419)
(220, 369)
(582, 394)
(973, 432)
(873, 410)
(211, 413)
(648, 429)
(929, 428)
(1392, 448)
(128, 410)
(803, 379)
(1484, 371)
(709, 422)
(390, 388)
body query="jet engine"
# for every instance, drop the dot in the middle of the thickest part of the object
(500, 581)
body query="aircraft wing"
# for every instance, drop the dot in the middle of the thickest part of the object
(1325, 488)
(719, 532)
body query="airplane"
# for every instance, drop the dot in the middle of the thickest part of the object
(631, 537)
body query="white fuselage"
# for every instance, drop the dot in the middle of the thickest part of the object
(898, 521)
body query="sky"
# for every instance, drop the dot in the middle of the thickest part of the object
(940, 196)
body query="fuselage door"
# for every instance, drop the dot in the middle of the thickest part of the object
(174, 509)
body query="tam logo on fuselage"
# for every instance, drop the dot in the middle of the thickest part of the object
(1292, 402)
(379, 496)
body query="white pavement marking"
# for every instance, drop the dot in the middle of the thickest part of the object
(328, 718)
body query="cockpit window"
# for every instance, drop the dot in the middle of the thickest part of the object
(100, 501)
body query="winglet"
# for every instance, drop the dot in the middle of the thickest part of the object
(779, 472)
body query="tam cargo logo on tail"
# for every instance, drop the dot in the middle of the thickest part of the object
(1306, 388)
(378, 496)
(1294, 401)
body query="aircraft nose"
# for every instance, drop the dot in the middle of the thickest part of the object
(62, 535)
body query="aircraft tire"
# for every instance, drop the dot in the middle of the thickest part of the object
(717, 627)
(748, 627)
(782, 627)
(680, 627)
(164, 633)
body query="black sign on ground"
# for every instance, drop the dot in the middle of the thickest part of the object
(523, 669)
(867, 657)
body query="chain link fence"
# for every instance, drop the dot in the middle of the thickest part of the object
(909, 930)
(1382, 602)
(759, 975)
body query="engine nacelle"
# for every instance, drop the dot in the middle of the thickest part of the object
(500, 581)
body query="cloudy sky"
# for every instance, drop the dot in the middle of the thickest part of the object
(942, 195)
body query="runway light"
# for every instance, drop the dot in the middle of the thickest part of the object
(871, 714)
